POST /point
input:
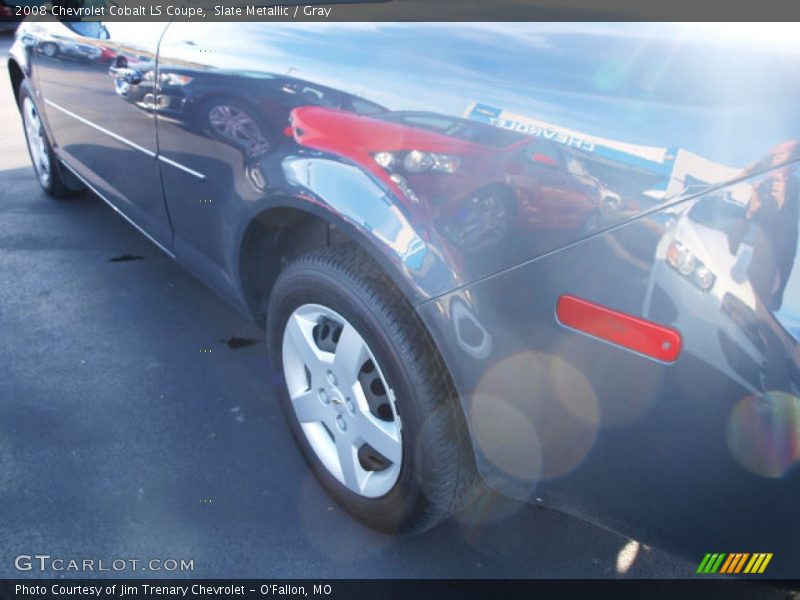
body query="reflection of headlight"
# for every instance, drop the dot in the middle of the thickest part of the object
(680, 258)
(402, 183)
(417, 161)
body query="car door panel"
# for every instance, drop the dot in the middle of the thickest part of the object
(94, 78)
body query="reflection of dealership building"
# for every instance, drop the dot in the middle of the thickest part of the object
(622, 167)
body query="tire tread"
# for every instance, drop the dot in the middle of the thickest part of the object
(452, 478)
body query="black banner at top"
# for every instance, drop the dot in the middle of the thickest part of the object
(400, 10)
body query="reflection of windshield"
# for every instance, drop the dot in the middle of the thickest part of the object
(458, 128)
(319, 96)
(314, 95)
(712, 213)
(365, 107)
(722, 214)
(576, 167)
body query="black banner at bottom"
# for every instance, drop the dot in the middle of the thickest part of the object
(377, 589)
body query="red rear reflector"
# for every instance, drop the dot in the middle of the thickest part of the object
(645, 337)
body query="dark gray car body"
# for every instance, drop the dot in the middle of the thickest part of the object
(641, 124)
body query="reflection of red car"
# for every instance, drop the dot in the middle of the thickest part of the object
(482, 175)
(107, 55)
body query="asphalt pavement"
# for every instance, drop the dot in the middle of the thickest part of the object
(123, 437)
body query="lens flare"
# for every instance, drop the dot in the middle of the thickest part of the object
(535, 416)
(506, 438)
(764, 433)
(487, 507)
(605, 402)
(574, 391)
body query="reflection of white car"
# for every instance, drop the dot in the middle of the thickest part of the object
(699, 249)
(695, 276)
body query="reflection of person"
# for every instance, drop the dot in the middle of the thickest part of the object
(771, 221)
(774, 211)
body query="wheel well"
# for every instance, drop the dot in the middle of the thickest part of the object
(16, 74)
(272, 240)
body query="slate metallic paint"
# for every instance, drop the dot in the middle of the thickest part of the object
(700, 453)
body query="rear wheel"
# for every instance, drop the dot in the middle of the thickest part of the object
(365, 393)
(52, 176)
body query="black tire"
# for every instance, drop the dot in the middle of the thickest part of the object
(59, 183)
(437, 474)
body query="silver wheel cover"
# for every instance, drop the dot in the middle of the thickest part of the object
(37, 144)
(334, 389)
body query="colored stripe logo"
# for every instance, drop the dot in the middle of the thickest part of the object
(737, 562)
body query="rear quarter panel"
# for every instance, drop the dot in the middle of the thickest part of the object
(700, 453)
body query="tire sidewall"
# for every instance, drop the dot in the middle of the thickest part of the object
(25, 92)
(61, 184)
(310, 284)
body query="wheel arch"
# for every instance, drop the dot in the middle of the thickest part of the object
(17, 75)
(289, 227)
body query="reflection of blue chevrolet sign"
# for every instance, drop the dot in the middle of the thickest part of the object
(498, 118)
(647, 158)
